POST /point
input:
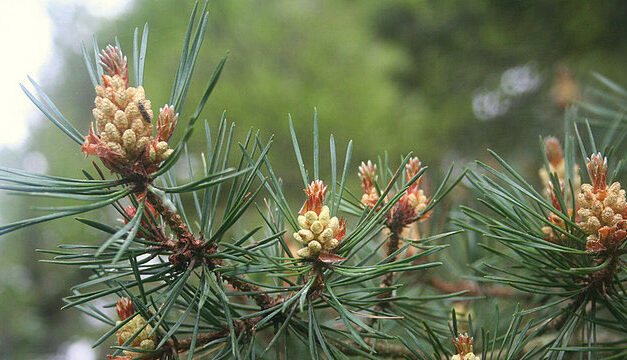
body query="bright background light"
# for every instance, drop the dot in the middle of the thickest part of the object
(28, 33)
(29, 29)
(27, 44)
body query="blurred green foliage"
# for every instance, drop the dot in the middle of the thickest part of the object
(394, 76)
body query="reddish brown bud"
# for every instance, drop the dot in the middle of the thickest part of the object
(341, 230)
(554, 200)
(368, 175)
(597, 169)
(166, 122)
(316, 193)
(114, 63)
(463, 344)
(125, 308)
(411, 169)
(553, 150)
(146, 222)
(410, 207)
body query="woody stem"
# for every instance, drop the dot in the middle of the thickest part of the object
(388, 278)
(391, 248)
(173, 220)
(180, 229)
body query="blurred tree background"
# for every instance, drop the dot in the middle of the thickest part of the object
(443, 79)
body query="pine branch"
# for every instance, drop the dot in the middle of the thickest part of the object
(189, 288)
(381, 349)
(182, 346)
(263, 300)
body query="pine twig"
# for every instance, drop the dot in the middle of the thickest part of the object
(174, 221)
(392, 246)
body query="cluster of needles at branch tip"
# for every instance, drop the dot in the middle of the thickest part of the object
(600, 211)
(407, 211)
(409, 208)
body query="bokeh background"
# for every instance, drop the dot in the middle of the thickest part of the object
(444, 79)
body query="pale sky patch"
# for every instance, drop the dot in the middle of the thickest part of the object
(27, 48)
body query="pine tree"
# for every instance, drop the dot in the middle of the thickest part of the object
(337, 277)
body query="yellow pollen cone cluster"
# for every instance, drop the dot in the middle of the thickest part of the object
(370, 198)
(159, 152)
(124, 130)
(143, 341)
(123, 117)
(318, 232)
(600, 208)
(418, 201)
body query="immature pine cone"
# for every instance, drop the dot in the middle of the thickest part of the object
(413, 203)
(602, 208)
(318, 230)
(368, 176)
